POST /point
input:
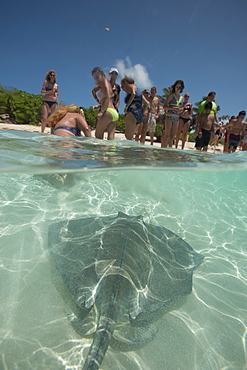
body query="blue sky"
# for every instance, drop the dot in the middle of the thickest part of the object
(202, 42)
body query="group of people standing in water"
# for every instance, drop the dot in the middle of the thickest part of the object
(142, 109)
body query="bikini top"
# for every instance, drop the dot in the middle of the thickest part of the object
(49, 88)
(175, 102)
(187, 107)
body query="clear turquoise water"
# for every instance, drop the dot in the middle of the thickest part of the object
(200, 197)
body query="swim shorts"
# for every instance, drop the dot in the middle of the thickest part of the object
(152, 122)
(233, 141)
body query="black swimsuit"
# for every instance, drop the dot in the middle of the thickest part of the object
(185, 120)
(50, 103)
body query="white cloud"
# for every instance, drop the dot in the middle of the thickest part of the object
(138, 72)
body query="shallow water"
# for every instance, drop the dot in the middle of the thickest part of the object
(198, 196)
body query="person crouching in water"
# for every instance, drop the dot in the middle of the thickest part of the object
(108, 116)
(67, 121)
(204, 128)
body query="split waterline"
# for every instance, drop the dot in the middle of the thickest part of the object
(199, 196)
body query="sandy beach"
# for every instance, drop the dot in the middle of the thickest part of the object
(31, 128)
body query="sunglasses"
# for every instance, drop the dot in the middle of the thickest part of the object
(52, 75)
(114, 73)
(186, 96)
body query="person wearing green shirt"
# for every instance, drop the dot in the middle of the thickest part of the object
(201, 109)
(210, 98)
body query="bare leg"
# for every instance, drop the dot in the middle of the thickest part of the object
(111, 130)
(45, 111)
(130, 126)
(152, 138)
(173, 131)
(53, 108)
(166, 133)
(185, 132)
(226, 145)
(139, 131)
(144, 132)
(180, 129)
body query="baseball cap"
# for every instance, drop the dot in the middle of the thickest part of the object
(113, 70)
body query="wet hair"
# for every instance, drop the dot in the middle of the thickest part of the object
(60, 113)
(98, 69)
(232, 117)
(127, 80)
(212, 93)
(208, 106)
(48, 75)
(180, 82)
(145, 91)
(242, 113)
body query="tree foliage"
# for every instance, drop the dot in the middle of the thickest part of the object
(166, 92)
(22, 107)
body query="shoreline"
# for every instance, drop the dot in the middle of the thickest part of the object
(30, 128)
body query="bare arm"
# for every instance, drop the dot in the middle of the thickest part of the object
(43, 91)
(132, 96)
(228, 126)
(158, 108)
(167, 102)
(243, 129)
(49, 92)
(216, 117)
(108, 95)
(191, 111)
(94, 91)
(56, 92)
(118, 100)
(145, 100)
(83, 126)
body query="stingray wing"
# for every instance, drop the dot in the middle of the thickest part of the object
(157, 264)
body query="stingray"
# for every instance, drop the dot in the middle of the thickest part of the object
(122, 275)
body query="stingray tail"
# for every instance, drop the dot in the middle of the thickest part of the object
(102, 339)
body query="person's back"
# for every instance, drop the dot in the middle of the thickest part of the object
(67, 121)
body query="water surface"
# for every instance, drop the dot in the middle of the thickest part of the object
(199, 196)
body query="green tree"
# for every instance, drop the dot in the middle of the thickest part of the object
(21, 106)
(224, 118)
(91, 116)
(166, 92)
